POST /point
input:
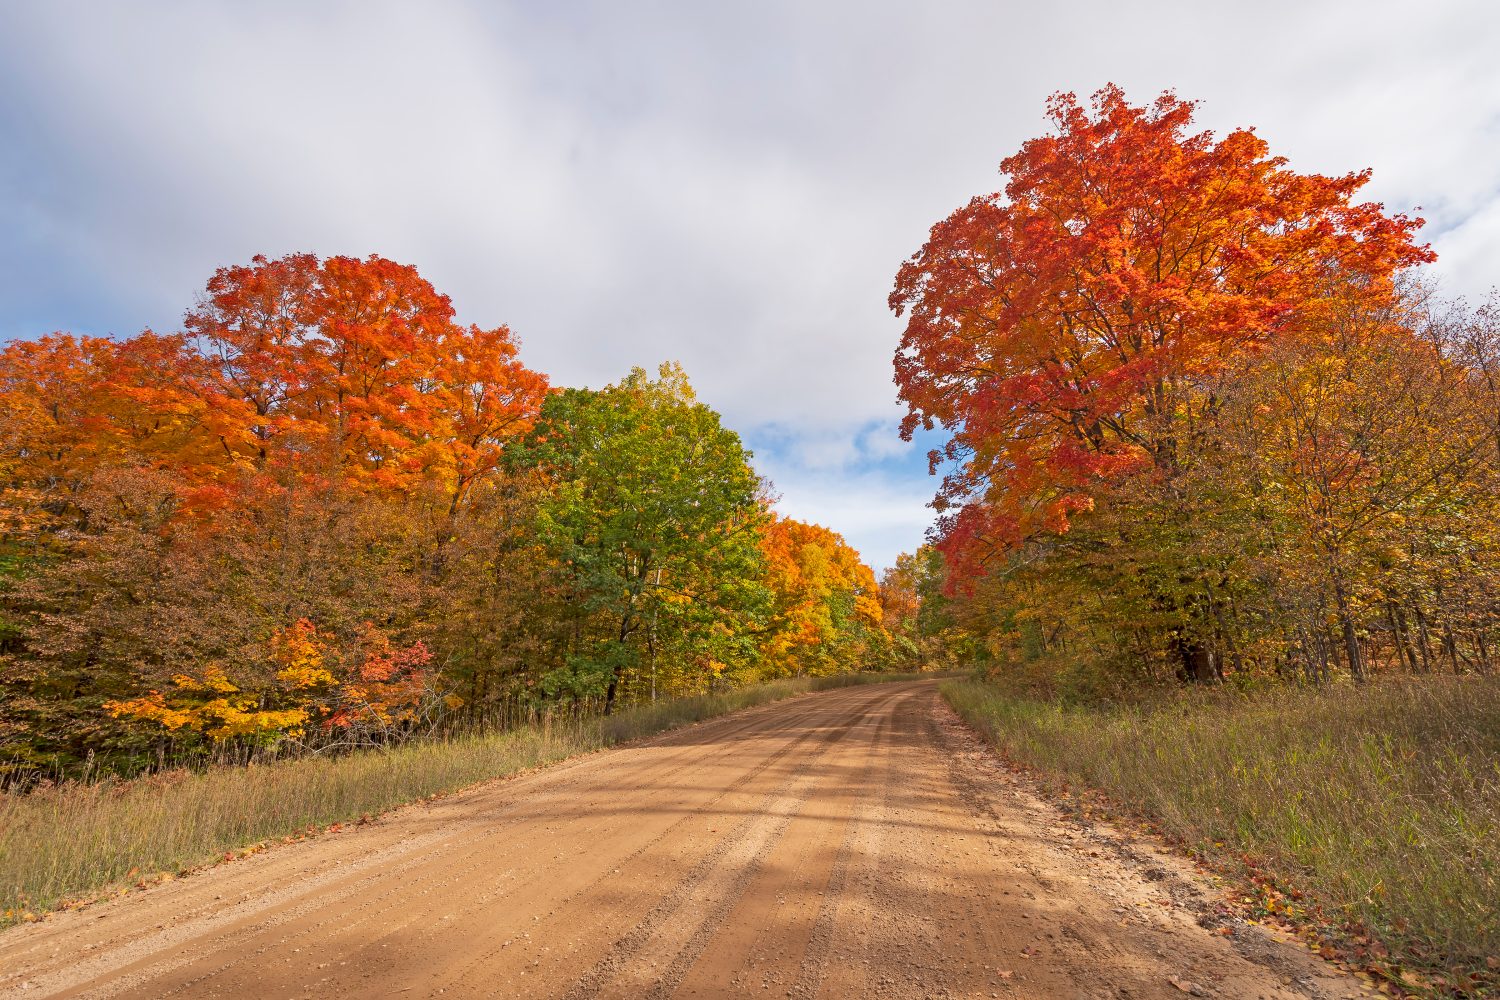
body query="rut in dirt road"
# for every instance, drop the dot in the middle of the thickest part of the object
(856, 843)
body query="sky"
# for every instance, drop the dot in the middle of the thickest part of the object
(728, 184)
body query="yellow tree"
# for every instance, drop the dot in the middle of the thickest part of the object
(827, 615)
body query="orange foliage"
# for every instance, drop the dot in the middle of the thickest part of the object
(357, 368)
(1054, 328)
(298, 381)
(824, 597)
(73, 405)
(347, 370)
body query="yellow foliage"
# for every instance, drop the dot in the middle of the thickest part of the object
(301, 653)
(214, 681)
(826, 602)
(151, 708)
(218, 718)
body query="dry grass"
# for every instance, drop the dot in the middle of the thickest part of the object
(1381, 804)
(75, 840)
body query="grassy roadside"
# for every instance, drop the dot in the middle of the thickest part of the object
(1374, 812)
(75, 840)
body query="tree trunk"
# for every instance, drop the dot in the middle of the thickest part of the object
(1425, 642)
(1403, 638)
(1451, 645)
(1319, 667)
(1199, 663)
(1226, 637)
(1352, 650)
(626, 627)
(1346, 626)
(609, 692)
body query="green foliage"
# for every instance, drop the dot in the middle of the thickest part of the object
(653, 513)
(919, 614)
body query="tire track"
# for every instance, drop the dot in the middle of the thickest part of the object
(666, 835)
(721, 875)
(820, 941)
(225, 933)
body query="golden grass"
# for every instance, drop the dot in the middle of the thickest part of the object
(1381, 804)
(78, 839)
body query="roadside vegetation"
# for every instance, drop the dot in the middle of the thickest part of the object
(326, 515)
(78, 840)
(1373, 810)
(1206, 416)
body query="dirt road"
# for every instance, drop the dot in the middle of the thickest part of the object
(857, 843)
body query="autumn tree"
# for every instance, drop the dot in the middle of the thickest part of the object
(150, 607)
(916, 613)
(308, 451)
(326, 515)
(1336, 516)
(357, 368)
(1062, 331)
(826, 610)
(77, 405)
(1367, 455)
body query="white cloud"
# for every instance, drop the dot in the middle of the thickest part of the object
(1470, 262)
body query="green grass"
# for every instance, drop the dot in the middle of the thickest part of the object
(77, 840)
(1379, 804)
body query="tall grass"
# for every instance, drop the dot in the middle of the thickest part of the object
(75, 839)
(1380, 803)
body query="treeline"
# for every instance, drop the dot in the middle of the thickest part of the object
(1206, 418)
(325, 514)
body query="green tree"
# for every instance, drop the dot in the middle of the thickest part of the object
(652, 510)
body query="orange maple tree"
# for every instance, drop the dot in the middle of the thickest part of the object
(75, 405)
(351, 371)
(1061, 331)
(357, 368)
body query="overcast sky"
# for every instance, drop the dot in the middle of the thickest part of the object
(732, 185)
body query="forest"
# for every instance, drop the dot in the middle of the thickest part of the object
(1217, 524)
(326, 515)
(1207, 421)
